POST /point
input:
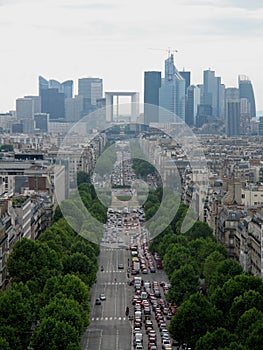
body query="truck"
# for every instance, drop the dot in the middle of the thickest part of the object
(136, 266)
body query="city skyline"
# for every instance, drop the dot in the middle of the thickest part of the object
(119, 41)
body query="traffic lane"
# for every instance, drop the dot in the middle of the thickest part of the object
(109, 335)
(109, 327)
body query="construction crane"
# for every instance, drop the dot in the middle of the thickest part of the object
(168, 50)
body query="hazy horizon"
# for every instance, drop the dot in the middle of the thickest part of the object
(113, 40)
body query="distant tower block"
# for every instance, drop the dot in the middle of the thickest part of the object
(134, 104)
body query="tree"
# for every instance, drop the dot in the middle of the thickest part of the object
(218, 339)
(67, 310)
(4, 344)
(81, 265)
(211, 263)
(224, 296)
(246, 322)
(83, 177)
(33, 260)
(10, 338)
(225, 270)
(184, 283)
(241, 304)
(6, 148)
(69, 285)
(55, 335)
(199, 230)
(57, 215)
(255, 338)
(193, 319)
(176, 256)
(201, 248)
(16, 315)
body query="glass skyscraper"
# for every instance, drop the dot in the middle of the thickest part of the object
(172, 91)
(152, 84)
(213, 93)
(246, 91)
(66, 87)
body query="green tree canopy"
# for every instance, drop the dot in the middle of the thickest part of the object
(55, 335)
(184, 283)
(67, 310)
(193, 319)
(32, 260)
(224, 296)
(218, 339)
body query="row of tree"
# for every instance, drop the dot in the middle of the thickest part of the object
(47, 304)
(219, 306)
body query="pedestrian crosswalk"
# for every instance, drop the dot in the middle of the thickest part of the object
(114, 283)
(109, 318)
(115, 271)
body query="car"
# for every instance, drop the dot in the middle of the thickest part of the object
(102, 296)
(139, 347)
(98, 302)
(120, 266)
(152, 269)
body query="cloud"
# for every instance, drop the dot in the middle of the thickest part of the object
(241, 4)
(90, 6)
(9, 2)
(241, 27)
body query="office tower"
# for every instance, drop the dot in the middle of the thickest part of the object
(42, 84)
(204, 115)
(27, 125)
(27, 106)
(152, 84)
(233, 118)
(260, 126)
(41, 122)
(172, 92)
(246, 91)
(91, 89)
(66, 87)
(213, 93)
(52, 102)
(193, 100)
(187, 77)
(74, 108)
(231, 94)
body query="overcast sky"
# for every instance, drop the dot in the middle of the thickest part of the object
(114, 40)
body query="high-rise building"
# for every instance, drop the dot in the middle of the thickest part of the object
(187, 77)
(260, 126)
(91, 89)
(204, 115)
(193, 100)
(152, 84)
(246, 91)
(27, 106)
(231, 94)
(52, 102)
(233, 118)
(172, 92)
(213, 93)
(66, 87)
(41, 122)
(42, 84)
(74, 108)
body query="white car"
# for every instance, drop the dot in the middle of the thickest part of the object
(102, 296)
